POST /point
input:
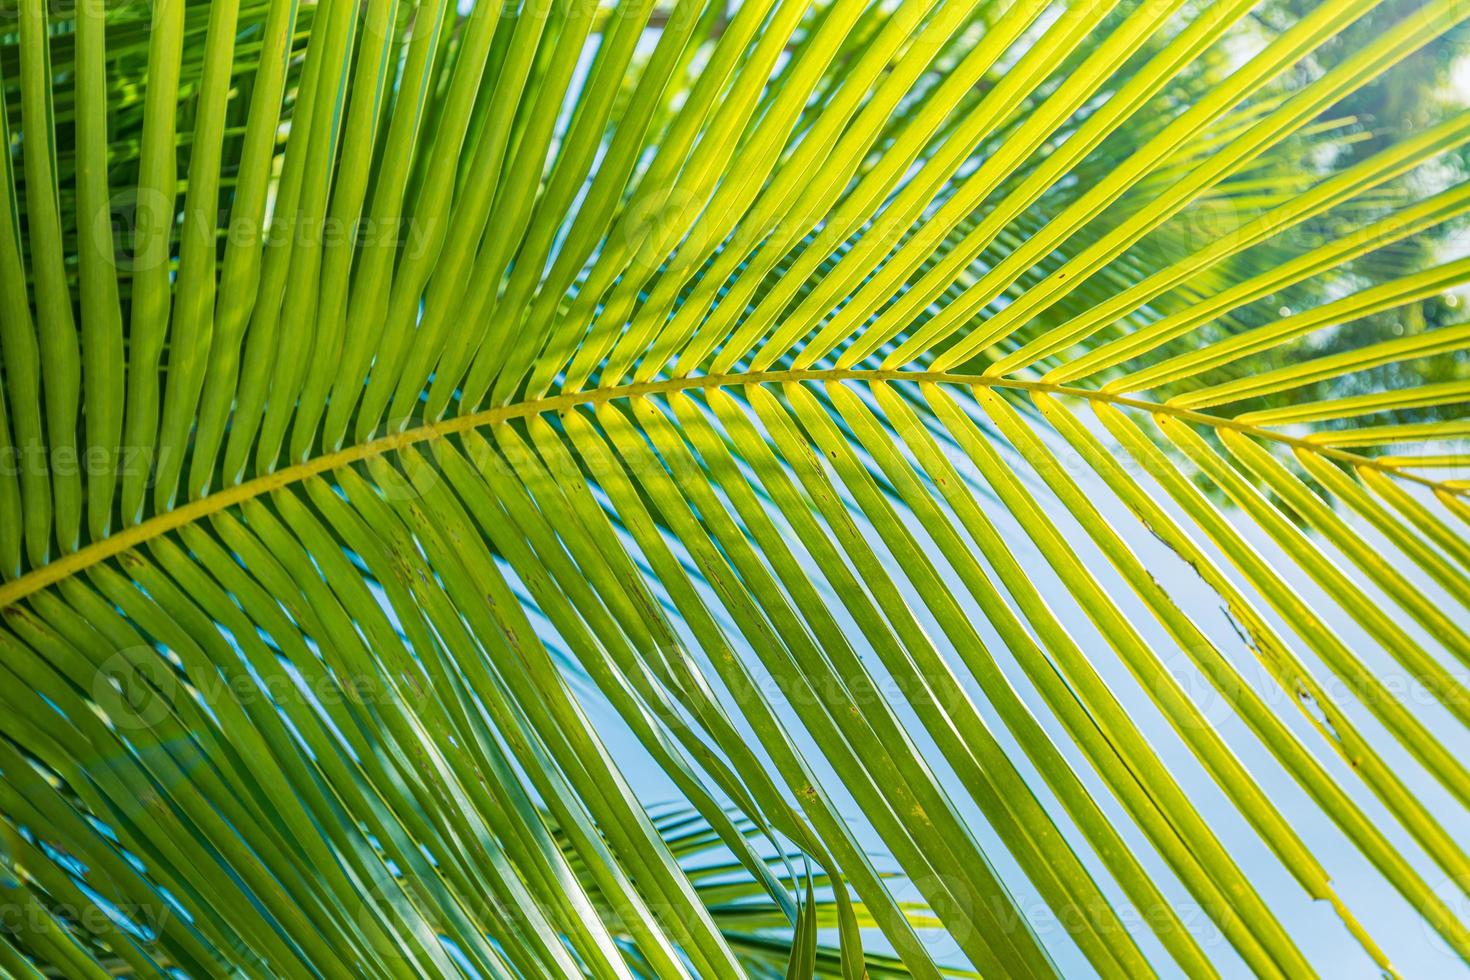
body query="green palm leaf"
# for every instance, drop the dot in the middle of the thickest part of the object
(439, 432)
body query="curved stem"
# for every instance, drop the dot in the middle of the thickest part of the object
(114, 544)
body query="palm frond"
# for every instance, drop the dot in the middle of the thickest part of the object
(491, 418)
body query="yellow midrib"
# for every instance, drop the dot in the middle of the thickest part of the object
(137, 534)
